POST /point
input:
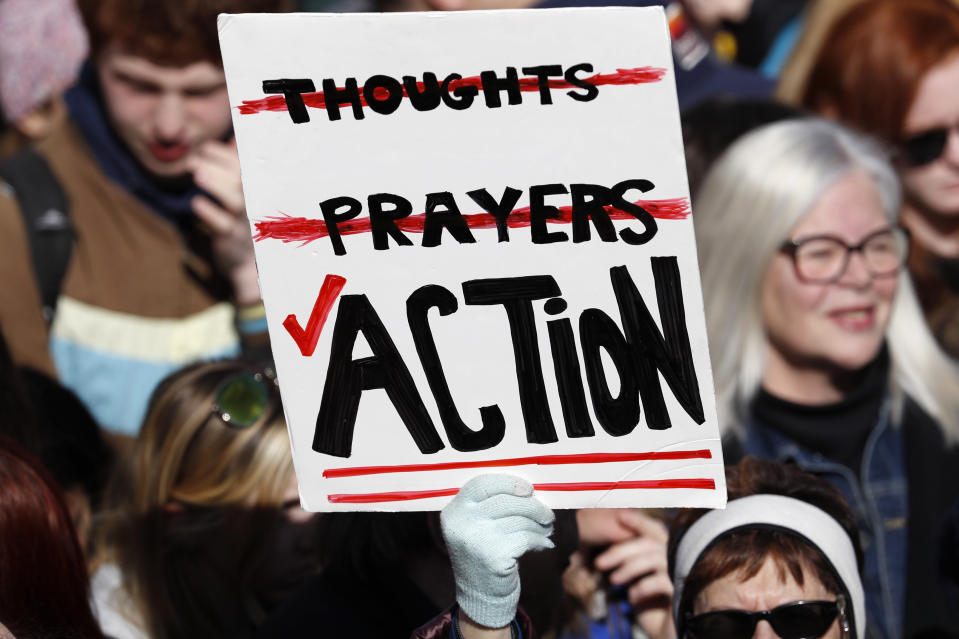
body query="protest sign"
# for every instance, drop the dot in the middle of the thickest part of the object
(475, 250)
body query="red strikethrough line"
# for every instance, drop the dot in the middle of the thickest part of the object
(373, 498)
(303, 229)
(639, 75)
(541, 460)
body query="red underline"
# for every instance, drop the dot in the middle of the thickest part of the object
(541, 460)
(302, 229)
(372, 498)
(316, 100)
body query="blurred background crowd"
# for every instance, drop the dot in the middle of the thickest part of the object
(146, 482)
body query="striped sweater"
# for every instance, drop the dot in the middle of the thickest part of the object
(140, 298)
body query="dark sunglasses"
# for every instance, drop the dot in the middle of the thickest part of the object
(796, 620)
(241, 400)
(925, 147)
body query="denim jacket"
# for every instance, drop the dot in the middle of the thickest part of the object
(878, 497)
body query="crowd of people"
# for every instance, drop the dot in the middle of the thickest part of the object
(147, 488)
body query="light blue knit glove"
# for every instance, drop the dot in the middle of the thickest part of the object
(492, 522)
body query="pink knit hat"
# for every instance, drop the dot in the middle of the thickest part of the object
(42, 44)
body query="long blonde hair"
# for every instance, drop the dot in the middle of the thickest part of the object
(749, 202)
(186, 453)
(193, 476)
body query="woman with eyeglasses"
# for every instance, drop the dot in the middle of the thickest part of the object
(781, 560)
(820, 353)
(890, 68)
(207, 536)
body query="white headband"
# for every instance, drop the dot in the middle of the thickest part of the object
(792, 515)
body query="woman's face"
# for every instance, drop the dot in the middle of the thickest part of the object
(935, 186)
(840, 325)
(767, 589)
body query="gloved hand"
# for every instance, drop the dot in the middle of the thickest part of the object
(492, 522)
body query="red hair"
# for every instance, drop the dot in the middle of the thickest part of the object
(868, 71)
(166, 32)
(44, 588)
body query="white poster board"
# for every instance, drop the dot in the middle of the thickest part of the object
(475, 250)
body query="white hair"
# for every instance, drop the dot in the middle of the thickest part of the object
(750, 200)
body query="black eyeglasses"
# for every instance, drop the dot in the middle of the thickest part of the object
(923, 148)
(242, 399)
(822, 259)
(796, 620)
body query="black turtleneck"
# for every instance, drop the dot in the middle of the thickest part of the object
(836, 431)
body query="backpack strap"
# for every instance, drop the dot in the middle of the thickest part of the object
(46, 216)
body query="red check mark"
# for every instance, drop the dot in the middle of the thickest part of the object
(307, 339)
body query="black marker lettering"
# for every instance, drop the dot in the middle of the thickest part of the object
(292, 90)
(649, 222)
(543, 73)
(426, 99)
(346, 379)
(591, 90)
(539, 212)
(461, 437)
(382, 221)
(331, 218)
(617, 415)
(461, 97)
(492, 85)
(373, 91)
(334, 97)
(593, 209)
(572, 395)
(448, 218)
(516, 294)
(671, 356)
(499, 210)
